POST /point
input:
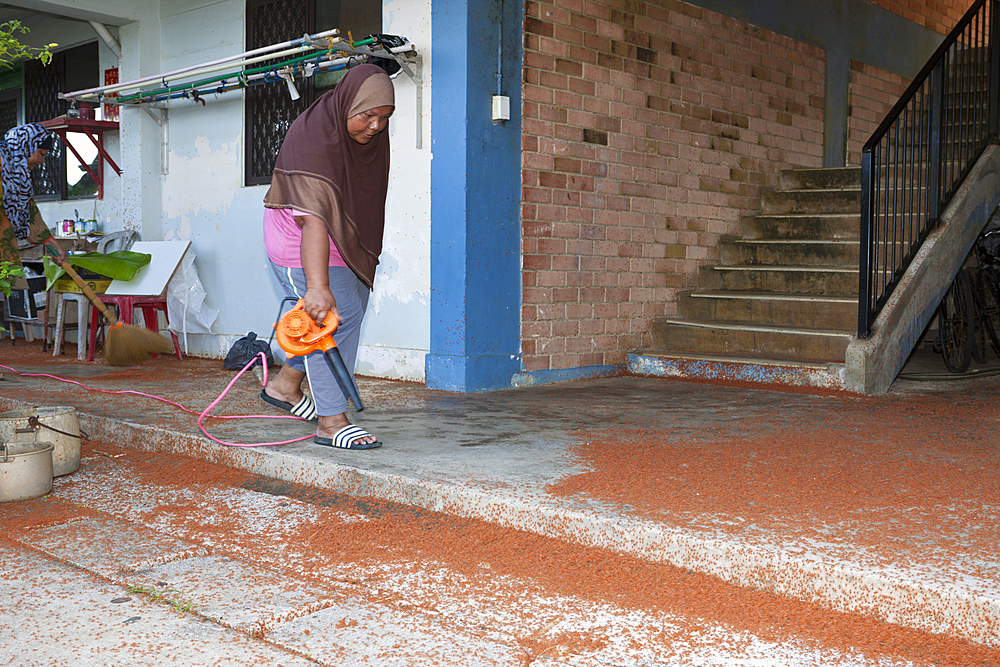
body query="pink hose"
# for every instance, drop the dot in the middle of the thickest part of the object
(202, 415)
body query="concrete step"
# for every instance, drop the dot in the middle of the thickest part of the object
(842, 281)
(773, 342)
(755, 370)
(790, 252)
(761, 308)
(827, 226)
(821, 179)
(812, 201)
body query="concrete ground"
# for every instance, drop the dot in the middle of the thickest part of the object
(882, 506)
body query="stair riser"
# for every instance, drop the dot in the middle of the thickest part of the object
(773, 345)
(804, 227)
(791, 282)
(822, 179)
(800, 201)
(777, 312)
(790, 254)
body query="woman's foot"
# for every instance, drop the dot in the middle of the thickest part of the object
(284, 391)
(337, 431)
(304, 409)
(286, 386)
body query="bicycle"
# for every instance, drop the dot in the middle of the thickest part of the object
(955, 330)
(970, 309)
(987, 249)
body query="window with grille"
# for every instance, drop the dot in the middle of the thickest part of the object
(72, 69)
(10, 110)
(42, 85)
(269, 108)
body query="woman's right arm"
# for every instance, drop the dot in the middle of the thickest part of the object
(39, 232)
(315, 255)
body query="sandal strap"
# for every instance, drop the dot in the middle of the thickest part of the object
(347, 435)
(305, 409)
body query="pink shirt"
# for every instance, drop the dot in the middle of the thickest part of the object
(283, 239)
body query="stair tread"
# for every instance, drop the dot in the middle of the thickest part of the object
(815, 190)
(728, 358)
(845, 242)
(773, 296)
(808, 215)
(776, 267)
(739, 326)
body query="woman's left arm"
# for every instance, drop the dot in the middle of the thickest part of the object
(40, 233)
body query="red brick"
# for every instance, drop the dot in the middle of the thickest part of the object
(693, 133)
(536, 262)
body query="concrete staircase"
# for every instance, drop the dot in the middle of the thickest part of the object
(782, 305)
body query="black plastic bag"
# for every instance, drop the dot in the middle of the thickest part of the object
(386, 42)
(244, 349)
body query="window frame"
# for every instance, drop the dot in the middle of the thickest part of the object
(257, 97)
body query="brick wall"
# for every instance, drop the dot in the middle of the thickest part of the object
(872, 93)
(938, 15)
(648, 133)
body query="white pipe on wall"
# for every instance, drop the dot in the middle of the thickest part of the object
(183, 70)
(108, 38)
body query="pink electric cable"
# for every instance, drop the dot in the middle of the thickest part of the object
(202, 415)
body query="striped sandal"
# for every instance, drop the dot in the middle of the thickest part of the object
(345, 437)
(304, 409)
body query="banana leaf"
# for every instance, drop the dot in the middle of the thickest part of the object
(118, 265)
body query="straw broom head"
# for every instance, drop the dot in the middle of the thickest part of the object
(127, 345)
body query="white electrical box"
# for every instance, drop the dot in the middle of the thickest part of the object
(501, 108)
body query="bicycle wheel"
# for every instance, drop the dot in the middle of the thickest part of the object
(989, 297)
(955, 324)
(978, 317)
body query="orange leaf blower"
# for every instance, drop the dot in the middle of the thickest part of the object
(298, 335)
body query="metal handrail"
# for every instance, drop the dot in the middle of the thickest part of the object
(917, 158)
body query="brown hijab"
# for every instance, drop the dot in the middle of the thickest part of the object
(322, 171)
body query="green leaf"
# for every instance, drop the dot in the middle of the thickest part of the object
(8, 269)
(118, 265)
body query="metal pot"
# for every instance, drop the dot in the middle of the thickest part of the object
(25, 470)
(56, 424)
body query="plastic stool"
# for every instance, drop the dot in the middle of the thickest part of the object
(81, 327)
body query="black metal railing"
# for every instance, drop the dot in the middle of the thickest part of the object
(922, 151)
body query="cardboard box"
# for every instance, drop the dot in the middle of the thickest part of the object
(67, 285)
(95, 281)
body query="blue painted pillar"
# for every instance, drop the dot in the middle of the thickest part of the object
(475, 308)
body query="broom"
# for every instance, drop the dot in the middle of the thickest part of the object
(125, 344)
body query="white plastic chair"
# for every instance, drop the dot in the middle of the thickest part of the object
(116, 241)
(107, 244)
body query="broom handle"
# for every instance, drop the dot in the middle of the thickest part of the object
(87, 292)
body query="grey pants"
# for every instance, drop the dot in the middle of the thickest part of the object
(352, 300)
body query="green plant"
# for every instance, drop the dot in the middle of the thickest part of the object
(8, 271)
(180, 606)
(12, 49)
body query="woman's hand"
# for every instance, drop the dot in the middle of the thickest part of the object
(315, 253)
(57, 249)
(318, 301)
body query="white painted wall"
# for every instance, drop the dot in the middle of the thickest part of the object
(194, 189)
